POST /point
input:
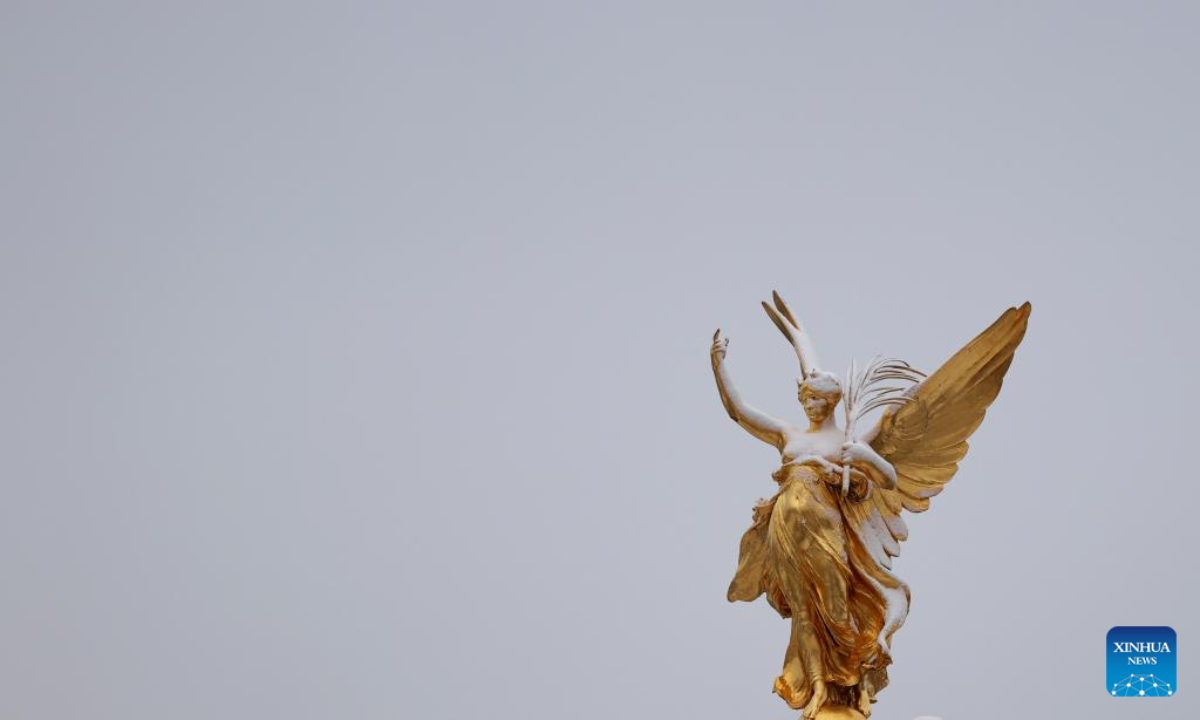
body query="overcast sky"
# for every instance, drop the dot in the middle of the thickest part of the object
(355, 355)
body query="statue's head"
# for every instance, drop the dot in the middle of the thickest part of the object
(819, 393)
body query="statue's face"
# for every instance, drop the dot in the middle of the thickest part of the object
(817, 406)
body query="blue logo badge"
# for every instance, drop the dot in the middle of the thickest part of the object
(1141, 662)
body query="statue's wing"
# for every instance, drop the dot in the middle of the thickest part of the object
(926, 437)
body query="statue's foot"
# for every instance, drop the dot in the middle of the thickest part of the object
(819, 698)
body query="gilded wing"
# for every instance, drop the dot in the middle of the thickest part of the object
(925, 438)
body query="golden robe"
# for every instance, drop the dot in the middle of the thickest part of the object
(806, 550)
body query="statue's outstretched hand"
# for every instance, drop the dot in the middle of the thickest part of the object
(718, 349)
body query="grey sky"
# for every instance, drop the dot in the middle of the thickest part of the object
(355, 354)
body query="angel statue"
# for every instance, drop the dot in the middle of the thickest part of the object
(821, 549)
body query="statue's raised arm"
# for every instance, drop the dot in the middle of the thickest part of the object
(756, 422)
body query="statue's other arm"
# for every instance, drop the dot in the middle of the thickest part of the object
(880, 471)
(762, 426)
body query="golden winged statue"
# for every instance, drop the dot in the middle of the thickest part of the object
(821, 549)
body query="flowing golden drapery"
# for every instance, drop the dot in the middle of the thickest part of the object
(806, 551)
